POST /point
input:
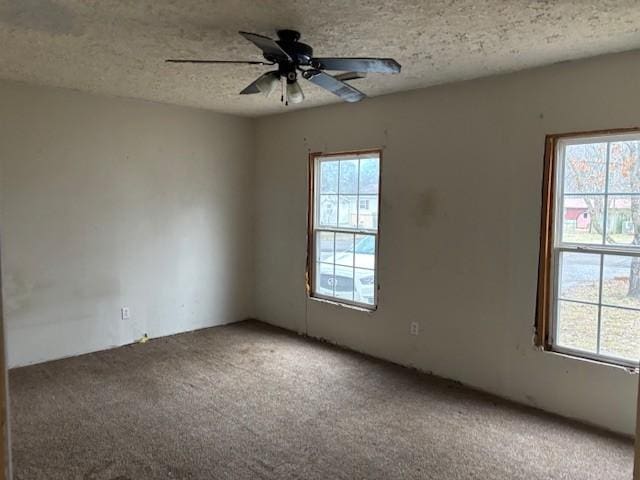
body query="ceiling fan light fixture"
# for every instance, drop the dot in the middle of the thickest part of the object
(268, 83)
(294, 92)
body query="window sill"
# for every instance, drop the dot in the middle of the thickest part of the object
(358, 308)
(631, 370)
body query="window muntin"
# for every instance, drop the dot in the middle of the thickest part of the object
(595, 257)
(344, 227)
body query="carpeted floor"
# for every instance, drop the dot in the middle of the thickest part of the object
(249, 401)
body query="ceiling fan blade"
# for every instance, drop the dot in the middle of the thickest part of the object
(372, 65)
(350, 76)
(343, 90)
(253, 87)
(247, 62)
(269, 47)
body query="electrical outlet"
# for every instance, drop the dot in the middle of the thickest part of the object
(126, 314)
(415, 328)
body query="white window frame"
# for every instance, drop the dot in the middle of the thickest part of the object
(313, 228)
(559, 246)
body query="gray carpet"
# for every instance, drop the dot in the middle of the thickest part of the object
(249, 401)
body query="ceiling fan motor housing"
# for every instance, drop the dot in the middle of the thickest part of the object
(301, 53)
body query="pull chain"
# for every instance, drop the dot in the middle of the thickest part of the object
(284, 98)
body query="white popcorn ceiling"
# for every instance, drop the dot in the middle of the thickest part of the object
(117, 47)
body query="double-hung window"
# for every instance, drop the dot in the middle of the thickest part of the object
(589, 285)
(343, 234)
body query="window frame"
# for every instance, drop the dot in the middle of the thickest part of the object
(311, 230)
(549, 255)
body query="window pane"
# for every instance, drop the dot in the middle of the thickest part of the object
(621, 281)
(344, 249)
(621, 210)
(364, 286)
(348, 214)
(585, 168)
(368, 212)
(344, 282)
(624, 167)
(582, 219)
(369, 175)
(365, 250)
(620, 334)
(346, 200)
(329, 176)
(348, 177)
(579, 277)
(324, 246)
(577, 326)
(598, 293)
(328, 210)
(325, 280)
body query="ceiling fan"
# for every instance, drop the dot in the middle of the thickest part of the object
(292, 56)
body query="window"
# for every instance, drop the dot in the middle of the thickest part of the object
(343, 227)
(589, 281)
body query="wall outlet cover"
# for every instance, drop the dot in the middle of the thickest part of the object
(414, 329)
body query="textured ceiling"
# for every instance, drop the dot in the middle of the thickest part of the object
(117, 47)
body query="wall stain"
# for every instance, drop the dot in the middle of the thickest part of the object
(425, 208)
(17, 292)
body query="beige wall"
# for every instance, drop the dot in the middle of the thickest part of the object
(461, 180)
(108, 203)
